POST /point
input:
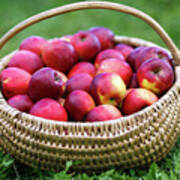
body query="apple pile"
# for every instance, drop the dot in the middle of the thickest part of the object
(85, 77)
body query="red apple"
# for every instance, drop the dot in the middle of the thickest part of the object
(14, 81)
(61, 101)
(21, 102)
(79, 82)
(107, 54)
(26, 60)
(124, 49)
(82, 67)
(49, 109)
(133, 83)
(103, 113)
(153, 52)
(120, 67)
(128, 91)
(46, 82)
(108, 88)
(34, 44)
(59, 55)
(86, 45)
(155, 75)
(134, 56)
(64, 80)
(78, 104)
(138, 99)
(105, 36)
(66, 38)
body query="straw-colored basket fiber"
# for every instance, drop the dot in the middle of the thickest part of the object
(131, 141)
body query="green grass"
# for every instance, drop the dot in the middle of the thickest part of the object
(166, 12)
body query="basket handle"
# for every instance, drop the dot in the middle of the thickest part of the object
(95, 5)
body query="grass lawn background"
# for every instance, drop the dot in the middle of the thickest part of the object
(166, 12)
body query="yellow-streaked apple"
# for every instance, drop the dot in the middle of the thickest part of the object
(155, 75)
(108, 88)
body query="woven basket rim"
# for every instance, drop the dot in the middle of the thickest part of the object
(123, 39)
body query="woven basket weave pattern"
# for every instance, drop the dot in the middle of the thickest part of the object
(135, 140)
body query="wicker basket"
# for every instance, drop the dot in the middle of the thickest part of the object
(131, 141)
